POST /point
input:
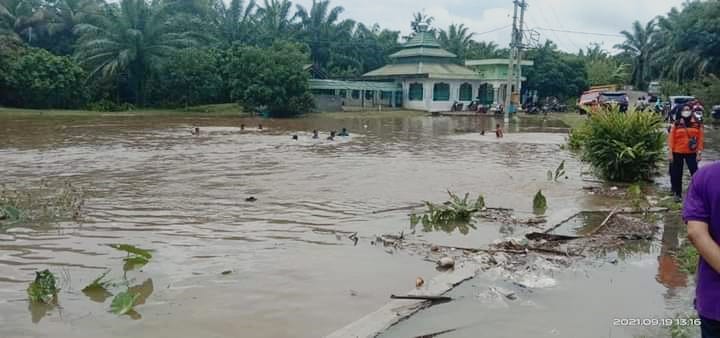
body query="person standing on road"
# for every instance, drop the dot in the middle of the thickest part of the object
(701, 212)
(685, 143)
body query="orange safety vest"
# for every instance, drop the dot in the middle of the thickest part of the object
(680, 135)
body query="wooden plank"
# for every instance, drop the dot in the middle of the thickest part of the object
(398, 309)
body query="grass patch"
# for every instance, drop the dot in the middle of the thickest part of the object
(228, 109)
(688, 258)
(40, 206)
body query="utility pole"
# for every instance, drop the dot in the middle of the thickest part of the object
(519, 52)
(515, 56)
(511, 60)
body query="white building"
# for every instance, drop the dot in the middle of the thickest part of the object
(430, 77)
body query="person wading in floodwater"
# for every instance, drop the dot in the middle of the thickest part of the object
(701, 212)
(685, 143)
(195, 131)
(498, 131)
(315, 134)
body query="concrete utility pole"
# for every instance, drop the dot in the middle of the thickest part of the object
(520, 47)
(515, 56)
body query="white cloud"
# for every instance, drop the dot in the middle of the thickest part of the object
(607, 17)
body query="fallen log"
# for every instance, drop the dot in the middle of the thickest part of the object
(604, 222)
(429, 298)
(549, 237)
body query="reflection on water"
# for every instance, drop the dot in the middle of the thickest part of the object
(150, 183)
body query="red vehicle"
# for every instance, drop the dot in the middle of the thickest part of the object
(589, 101)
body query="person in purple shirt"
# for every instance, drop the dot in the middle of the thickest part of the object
(701, 212)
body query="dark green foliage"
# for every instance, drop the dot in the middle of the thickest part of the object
(556, 73)
(190, 77)
(43, 288)
(624, 147)
(38, 79)
(270, 80)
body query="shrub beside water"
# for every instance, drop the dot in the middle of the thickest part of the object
(624, 147)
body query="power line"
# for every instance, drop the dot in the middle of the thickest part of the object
(578, 32)
(493, 30)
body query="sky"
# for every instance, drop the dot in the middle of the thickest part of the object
(491, 19)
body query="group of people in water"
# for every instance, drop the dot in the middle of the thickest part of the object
(195, 131)
(316, 135)
(498, 131)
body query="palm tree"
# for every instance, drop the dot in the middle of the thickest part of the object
(483, 50)
(22, 20)
(234, 22)
(639, 45)
(456, 40)
(64, 16)
(420, 19)
(274, 20)
(320, 29)
(131, 39)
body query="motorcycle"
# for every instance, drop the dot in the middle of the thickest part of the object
(716, 112)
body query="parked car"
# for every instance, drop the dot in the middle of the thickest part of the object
(716, 112)
(654, 88)
(614, 98)
(588, 102)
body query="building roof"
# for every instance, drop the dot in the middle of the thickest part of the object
(499, 62)
(423, 51)
(422, 38)
(424, 70)
(422, 57)
(354, 85)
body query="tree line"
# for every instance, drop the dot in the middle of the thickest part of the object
(114, 55)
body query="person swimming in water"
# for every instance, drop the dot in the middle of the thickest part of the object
(332, 136)
(195, 131)
(295, 137)
(315, 134)
(498, 131)
(242, 127)
(260, 127)
(482, 133)
(344, 132)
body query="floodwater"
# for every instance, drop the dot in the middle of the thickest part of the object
(293, 271)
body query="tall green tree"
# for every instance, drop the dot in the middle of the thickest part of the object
(63, 17)
(484, 50)
(275, 21)
(235, 23)
(23, 20)
(322, 30)
(639, 45)
(555, 73)
(457, 39)
(132, 39)
(272, 80)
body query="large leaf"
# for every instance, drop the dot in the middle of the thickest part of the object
(123, 303)
(131, 249)
(98, 284)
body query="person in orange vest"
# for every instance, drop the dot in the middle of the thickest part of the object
(685, 143)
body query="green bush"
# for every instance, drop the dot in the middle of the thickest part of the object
(624, 147)
(39, 79)
(271, 80)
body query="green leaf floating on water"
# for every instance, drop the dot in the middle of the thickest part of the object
(136, 257)
(131, 249)
(539, 202)
(43, 288)
(123, 303)
(98, 284)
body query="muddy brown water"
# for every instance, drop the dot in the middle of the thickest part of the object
(294, 272)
